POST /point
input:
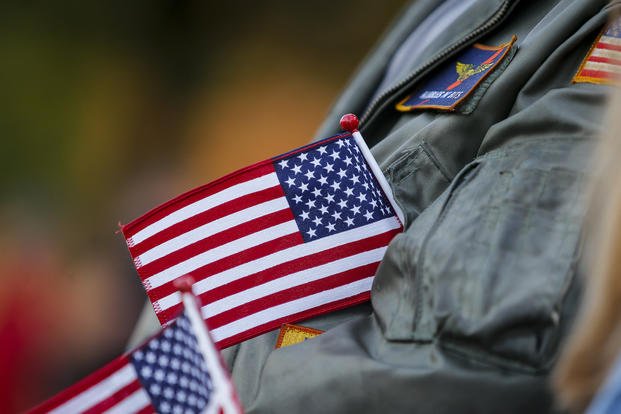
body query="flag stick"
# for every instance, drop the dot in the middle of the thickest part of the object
(224, 394)
(349, 122)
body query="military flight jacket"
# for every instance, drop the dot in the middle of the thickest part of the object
(471, 303)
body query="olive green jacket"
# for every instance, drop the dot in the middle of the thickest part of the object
(471, 303)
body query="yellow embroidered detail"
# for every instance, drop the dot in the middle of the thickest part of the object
(294, 334)
(465, 70)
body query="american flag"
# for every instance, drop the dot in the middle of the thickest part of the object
(283, 240)
(178, 371)
(603, 62)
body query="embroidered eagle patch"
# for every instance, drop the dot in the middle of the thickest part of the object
(456, 79)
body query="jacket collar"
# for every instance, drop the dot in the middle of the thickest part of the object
(464, 32)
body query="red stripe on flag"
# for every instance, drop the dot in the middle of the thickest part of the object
(86, 383)
(115, 398)
(231, 261)
(601, 59)
(228, 262)
(210, 215)
(297, 265)
(293, 293)
(195, 195)
(597, 74)
(287, 268)
(147, 410)
(297, 317)
(608, 46)
(212, 242)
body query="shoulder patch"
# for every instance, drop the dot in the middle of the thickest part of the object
(603, 62)
(294, 334)
(455, 80)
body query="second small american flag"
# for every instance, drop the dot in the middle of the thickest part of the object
(286, 239)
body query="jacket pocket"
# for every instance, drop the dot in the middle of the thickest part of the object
(494, 268)
(417, 178)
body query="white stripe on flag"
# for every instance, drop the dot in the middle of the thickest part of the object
(220, 252)
(606, 53)
(290, 308)
(212, 228)
(98, 392)
(131, 404)
(610, 40)
(604, 67)
(228, 194)
(282, 256)
(292, 280)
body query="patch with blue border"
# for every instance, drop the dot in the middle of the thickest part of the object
(455, 81)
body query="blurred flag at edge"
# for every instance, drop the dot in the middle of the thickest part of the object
(283, 240)
(177, 371)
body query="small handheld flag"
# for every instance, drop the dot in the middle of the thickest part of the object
(286, 239)
(177, 371)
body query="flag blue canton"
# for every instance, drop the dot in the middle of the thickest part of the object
(331, 189)
(173, 371)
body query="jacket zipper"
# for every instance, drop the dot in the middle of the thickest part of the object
(381, 101)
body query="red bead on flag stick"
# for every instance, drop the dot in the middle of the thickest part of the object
(349, 122)
(184, 283)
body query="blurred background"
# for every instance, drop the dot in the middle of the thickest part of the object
(111, 108)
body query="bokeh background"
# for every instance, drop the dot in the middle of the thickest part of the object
(110, 108)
